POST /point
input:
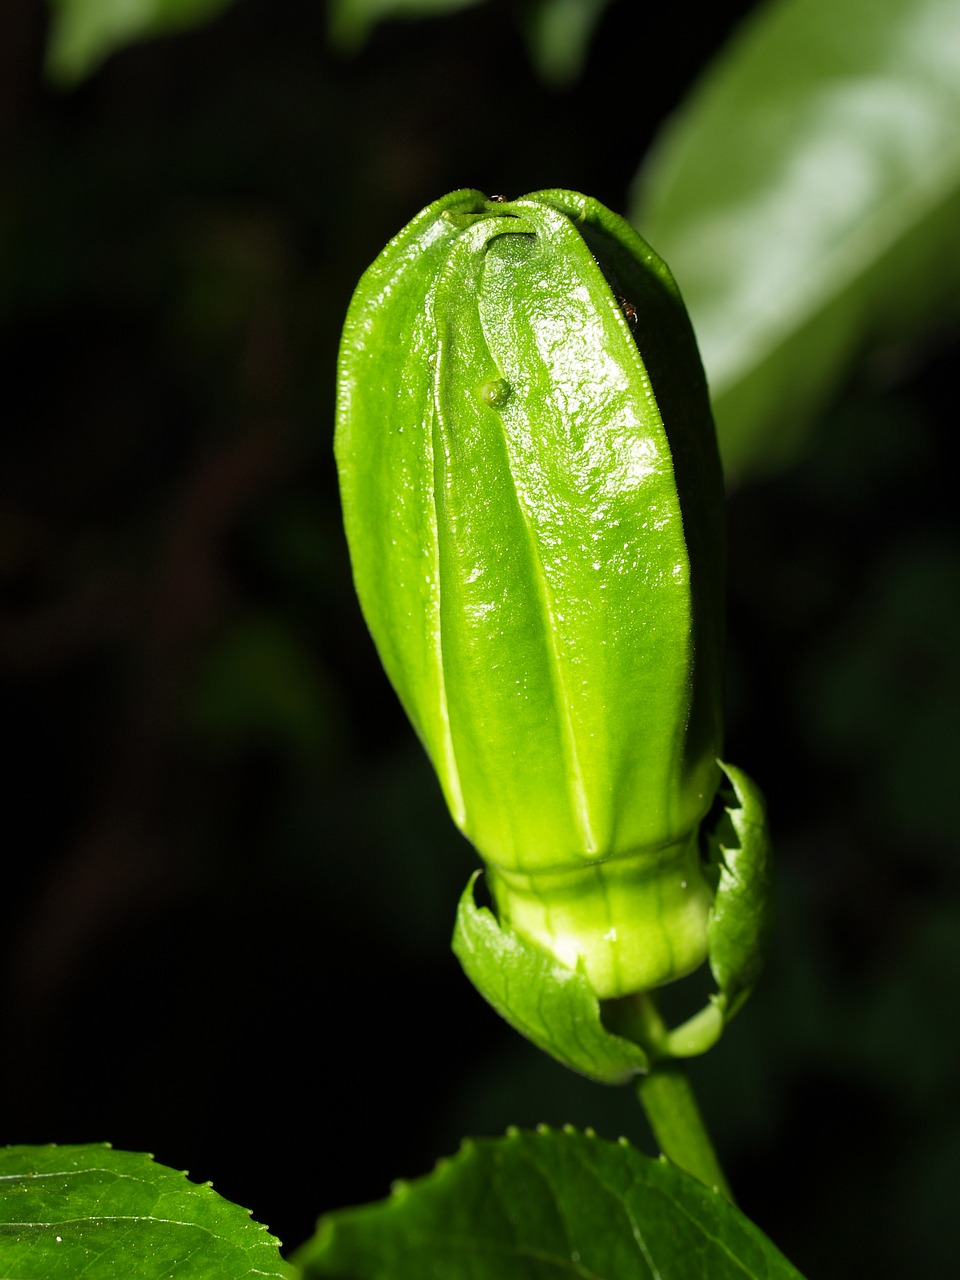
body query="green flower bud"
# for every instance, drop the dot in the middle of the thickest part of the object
(533, 502)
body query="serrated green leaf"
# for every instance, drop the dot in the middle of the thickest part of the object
(807, 197)
(351, 21)
(542, 1206)
(553, 1006)
(98, 1213)
(85, 32)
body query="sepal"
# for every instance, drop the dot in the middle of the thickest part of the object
(552, 1005)
(741, 919)
(555, 1007)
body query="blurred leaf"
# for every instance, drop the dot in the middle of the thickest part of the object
(85, 32)
(807, 197)
(558, 33)
(300, 541)
(259, 684)
(884, 690)
(545, 1204)
(920, 978)
(99, 1213)
(233, 264)
(351, 21)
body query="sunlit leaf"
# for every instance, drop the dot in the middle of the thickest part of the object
(807, 198)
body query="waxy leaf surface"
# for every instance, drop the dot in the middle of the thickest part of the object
(90, 1211)
(544, 1206)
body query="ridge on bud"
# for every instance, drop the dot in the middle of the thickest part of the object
(533, 502)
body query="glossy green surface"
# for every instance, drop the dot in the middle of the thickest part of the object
(545, 1206)
(89, 1211)
(533, 502)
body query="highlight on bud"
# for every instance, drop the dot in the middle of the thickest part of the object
(533, 502)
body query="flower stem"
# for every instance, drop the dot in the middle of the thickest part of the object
(667, 1097)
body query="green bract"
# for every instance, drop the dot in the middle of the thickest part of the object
(533, 502)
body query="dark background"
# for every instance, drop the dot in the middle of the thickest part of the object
(229, 878)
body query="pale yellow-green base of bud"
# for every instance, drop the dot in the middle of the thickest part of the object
(629, 924)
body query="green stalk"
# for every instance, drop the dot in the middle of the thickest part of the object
(667, 1097)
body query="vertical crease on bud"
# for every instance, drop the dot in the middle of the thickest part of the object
(580, 807)
(552, 630)
(587, 840)
(450, 773)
